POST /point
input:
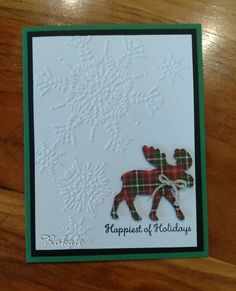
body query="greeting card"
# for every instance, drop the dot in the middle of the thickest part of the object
(114, 143)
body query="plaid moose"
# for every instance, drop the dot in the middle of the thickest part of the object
(165, 180)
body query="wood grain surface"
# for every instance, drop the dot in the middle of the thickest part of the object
(218, 19)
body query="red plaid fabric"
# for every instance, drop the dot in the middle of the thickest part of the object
(141, 182)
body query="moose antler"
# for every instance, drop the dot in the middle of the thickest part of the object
(158, 159)
(154, 157)
(183, 159)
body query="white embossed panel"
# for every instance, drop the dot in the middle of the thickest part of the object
(97, 101)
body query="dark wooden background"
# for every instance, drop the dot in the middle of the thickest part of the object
(218, 19)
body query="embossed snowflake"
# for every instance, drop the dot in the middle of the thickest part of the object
(84, 187)
(99, 91)
(48, 159)
(76, 232)
(171, 69)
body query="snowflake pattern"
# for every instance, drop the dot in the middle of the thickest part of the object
(171, 69)
(99, 91)
(48, 159)
(84, 187)
(76, 232)
(84, 52)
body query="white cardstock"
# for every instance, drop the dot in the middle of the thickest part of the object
(97, 101)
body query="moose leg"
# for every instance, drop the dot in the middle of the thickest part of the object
(155, 203)
(118, 198)
(170, 197)
(129, 198)
(130, 202)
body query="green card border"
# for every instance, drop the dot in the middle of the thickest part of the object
(33, 259)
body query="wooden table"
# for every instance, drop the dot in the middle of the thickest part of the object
(218, 272)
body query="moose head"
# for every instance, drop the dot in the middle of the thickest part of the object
(173, 172)
(165, 180)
